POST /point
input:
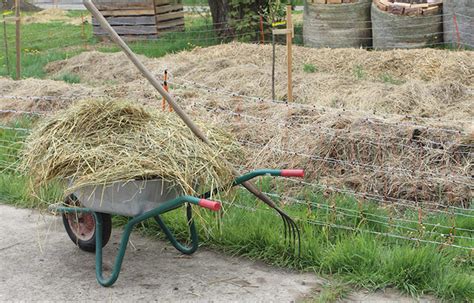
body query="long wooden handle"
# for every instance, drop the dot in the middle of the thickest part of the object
(147, 74)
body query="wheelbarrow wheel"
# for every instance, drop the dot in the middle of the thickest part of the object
(81, 227)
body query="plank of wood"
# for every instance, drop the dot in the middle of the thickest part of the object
(129, 20)
(413, 11)
(396, 9)
(281, 31)
(431, 11)
(128, 30)
(169, 16)
(130, 38)
(380, 5)
(334, 1)
(162, 2)
(179, 28)
(168, 24)
(110, 6)
(139, 37)
(168, 8)
(420, 5)
(129, 12)
(436, 3)
(402, 4)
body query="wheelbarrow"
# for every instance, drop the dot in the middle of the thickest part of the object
(87, 213)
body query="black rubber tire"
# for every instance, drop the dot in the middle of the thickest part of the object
(89, 244)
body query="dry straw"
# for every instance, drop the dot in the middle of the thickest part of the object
(102, 141)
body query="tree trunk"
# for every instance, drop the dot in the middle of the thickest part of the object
(220, 17)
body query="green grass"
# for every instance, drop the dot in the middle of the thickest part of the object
(386, 78)
(69, 78)
(44, 43)
(309, 68)
(15, 187)
(333, 292)
(41, 44)
(359, 72)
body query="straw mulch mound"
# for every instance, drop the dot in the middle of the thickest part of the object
(102, 141)
(424, 82)
(389, 160)
(35, 95)
(353, 135)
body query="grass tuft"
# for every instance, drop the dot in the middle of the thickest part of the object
(69, 78)
(309, 68)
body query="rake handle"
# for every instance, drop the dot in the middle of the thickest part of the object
(147, 74)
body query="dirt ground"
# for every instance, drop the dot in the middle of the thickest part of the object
(39, 263)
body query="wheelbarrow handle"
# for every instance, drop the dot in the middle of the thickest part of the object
(299, 173)
(212, 205)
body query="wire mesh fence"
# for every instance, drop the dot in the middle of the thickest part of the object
(434, 222)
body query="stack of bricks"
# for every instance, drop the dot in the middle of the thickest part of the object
(410, 7)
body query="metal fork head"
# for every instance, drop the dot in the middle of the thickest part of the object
(291, 232)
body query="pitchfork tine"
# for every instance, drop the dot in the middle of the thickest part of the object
(293, 230)
(285, 226)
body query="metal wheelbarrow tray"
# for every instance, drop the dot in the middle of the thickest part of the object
(87, 215)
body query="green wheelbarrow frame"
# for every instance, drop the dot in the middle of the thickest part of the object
(155, 213)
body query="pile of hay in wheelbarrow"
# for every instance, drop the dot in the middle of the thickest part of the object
(102, 141)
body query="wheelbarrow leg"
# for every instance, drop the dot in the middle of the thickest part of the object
(118, 259)
(192, 230)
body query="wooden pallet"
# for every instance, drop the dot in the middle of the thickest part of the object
(146, 19)
(409, 7)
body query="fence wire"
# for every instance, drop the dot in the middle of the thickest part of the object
(10, 149)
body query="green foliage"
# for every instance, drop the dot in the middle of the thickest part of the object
(42, 43)
(69, 78)
(309, 68)
(15, 187)
(333, 292)
(275, 11)
(386, 78)
(245, 15)
(359, 72)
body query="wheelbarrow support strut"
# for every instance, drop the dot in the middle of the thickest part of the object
(155, 213)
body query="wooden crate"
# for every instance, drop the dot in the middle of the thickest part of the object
(136, 19)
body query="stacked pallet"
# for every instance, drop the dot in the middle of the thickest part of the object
(140, 19)
(410, 7)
